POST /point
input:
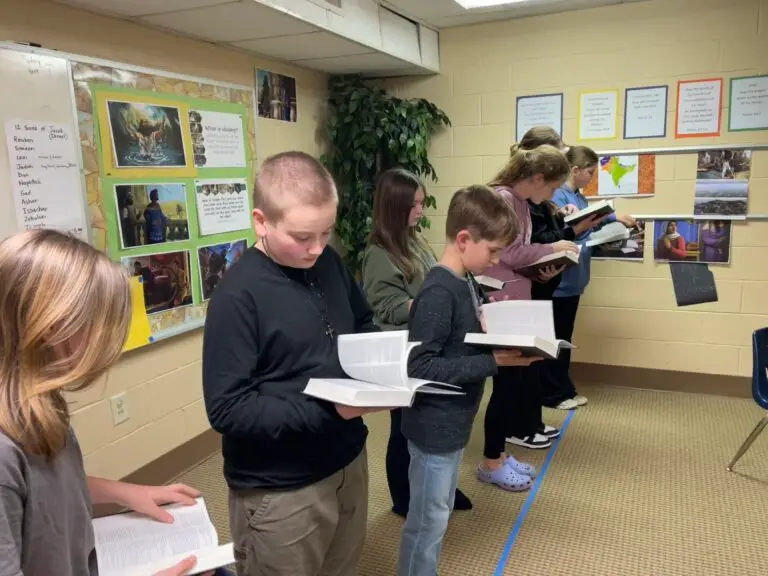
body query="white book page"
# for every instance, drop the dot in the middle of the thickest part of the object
(523, 317)
(378, 357)
(488, 282)
(128, 541)
(416, 384)
(207, 560)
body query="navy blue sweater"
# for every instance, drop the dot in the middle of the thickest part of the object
(441, 315)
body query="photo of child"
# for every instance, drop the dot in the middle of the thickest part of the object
(692, 241)
(165, 277)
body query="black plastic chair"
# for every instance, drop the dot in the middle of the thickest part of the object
(759, 388)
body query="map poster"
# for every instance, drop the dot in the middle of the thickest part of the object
(625, 175)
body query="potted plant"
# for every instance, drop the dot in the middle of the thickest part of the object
(370, 131)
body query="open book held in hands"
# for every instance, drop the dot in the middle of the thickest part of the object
(612, 232)
(556, 259)
(133, 545)
(377, 366)
(602, 208)
(490, 283)
(525, 325)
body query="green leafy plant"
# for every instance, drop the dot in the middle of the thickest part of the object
(370, 131)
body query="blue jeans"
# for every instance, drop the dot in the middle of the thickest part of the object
(432, 479)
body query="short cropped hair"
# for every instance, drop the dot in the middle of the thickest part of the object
(292, 177)
(484, 213)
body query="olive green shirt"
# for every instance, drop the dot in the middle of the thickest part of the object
(386, 288)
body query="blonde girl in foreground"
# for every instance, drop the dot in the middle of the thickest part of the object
(64, 315)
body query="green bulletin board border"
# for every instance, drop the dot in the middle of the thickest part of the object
(196, 240)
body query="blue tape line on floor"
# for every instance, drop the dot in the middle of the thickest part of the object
(531, 497)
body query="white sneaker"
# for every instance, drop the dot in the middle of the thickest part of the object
(580, 400)
(569, 404)
(535, 442)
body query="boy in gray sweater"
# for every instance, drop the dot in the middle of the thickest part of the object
(479, 225)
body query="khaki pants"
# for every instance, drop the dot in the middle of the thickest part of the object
(315, 531)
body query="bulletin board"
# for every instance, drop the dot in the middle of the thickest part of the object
(166, 168)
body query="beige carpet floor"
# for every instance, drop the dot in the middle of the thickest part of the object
(636, 487)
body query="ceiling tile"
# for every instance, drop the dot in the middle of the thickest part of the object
(231, 22)
(302, 46)
(133, 8)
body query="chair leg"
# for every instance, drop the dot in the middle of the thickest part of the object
(748, 442)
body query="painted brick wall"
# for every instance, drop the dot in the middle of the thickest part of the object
(629, 316)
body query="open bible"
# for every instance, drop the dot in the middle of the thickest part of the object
(377, 366)
(525, 325)
(612, 232)
(133, 545)
(601, 208)
(555, 259)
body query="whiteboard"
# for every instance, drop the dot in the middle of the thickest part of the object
(36, 87)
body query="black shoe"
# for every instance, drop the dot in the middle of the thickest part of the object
(462, 502)
(400, 511)
(549, 431)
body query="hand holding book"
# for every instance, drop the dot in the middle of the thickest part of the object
(509, 357)
(183, 568)
(588, 223)
(565, 246)
(548, 272)
(349, 412)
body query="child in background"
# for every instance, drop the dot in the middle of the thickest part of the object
(479, 224)
(64, 319)
(514, 410)
(557, 387)
(395, 264)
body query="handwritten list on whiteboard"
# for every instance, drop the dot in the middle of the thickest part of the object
(45, 179)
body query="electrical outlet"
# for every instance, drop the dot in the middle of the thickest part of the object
(119, 409)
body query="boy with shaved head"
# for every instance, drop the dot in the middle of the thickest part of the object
(296, 466)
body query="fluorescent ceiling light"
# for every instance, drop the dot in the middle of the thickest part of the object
(469, 4)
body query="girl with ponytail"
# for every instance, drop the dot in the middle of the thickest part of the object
(514, 409)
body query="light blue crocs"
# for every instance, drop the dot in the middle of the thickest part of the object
(520, 467)
(505, 478)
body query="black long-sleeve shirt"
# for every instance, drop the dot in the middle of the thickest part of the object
(266, 334)
(547, 227)
(441, 315)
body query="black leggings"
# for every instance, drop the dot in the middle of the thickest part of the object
(398, 460)
(556, 383)
(514, 408)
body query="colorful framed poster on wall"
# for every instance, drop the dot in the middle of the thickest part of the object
(146, 139)
(699, 108)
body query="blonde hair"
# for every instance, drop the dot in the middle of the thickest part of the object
(545, 160)
(582, 157)
(57, 294)
(292, 177)
(538, 136)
